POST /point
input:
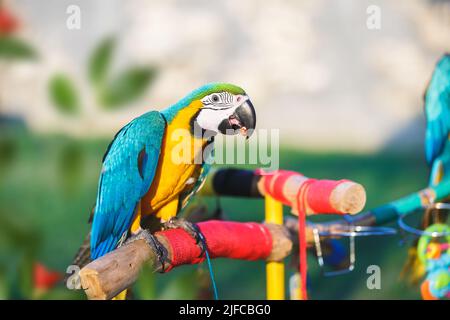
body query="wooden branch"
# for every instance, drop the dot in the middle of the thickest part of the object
(107, 276)
(104, 278)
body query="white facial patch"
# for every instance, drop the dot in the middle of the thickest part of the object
(209, 119)
(216, 108)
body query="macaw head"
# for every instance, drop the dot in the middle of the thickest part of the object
(219, 108)
(226, 109)
(438, 88)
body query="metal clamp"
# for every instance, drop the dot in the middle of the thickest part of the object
(435, 206)
(350, 231)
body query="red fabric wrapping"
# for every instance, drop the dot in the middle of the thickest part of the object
(318, 195)
(303, 263)
(312, 193)
(275, 181)
(234, 240)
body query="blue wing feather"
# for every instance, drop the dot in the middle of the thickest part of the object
(437, 104)
(122, 183)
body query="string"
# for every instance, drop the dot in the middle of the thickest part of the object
(301, 198)
(208, 260)
(211, 275)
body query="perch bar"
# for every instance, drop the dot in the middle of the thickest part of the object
(393, 210)
(107, 276)
(274, 269)
(289, 187)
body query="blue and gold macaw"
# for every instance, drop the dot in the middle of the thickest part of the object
(437, 111)
(156, 163)
(437, 147)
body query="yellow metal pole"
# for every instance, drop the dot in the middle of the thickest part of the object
(274, 270)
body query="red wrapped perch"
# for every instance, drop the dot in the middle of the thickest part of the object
(107, 276)
(233, 240)
(315, 196)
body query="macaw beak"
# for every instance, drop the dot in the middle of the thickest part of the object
(243, 120)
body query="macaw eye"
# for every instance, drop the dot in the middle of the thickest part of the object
(215, 98)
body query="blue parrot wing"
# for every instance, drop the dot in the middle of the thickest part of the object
(129, 166)
(437, 104)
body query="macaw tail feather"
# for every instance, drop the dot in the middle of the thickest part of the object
(122, 296)
(413, 271)
(83, 256)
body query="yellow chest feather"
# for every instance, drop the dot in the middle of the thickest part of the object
(178, 164)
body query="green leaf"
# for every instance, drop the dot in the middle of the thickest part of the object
(63, 94)
(127, 86)
(14, 48)
(100, 61)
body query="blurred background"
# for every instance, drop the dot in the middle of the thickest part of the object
(347, 99)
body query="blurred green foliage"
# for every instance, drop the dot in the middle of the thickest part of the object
(111, 91)
(13, 48)
(145, 287)
(100, 61)
(127, 86)
(63, 94)
(18, 243)
(48, 190)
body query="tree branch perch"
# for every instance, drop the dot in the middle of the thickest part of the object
(107, 276)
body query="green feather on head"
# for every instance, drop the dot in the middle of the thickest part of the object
(198, 94)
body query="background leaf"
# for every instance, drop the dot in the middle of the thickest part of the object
(100, 61)
(127, 86)
(63, 94)
(14, 48)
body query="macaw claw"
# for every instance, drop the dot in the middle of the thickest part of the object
(191, 228)
(157, 247)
